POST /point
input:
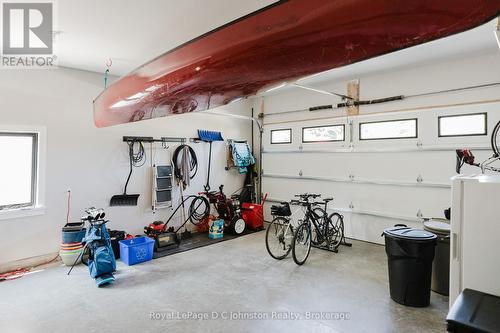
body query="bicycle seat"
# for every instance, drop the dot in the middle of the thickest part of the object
(327, 199)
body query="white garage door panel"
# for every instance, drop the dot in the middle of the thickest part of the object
(383, 199)
(432, 166)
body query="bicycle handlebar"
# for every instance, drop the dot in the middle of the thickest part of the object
(306, 196)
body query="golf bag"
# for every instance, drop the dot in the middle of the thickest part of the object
(98, 254)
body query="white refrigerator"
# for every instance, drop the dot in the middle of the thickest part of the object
(475, 235)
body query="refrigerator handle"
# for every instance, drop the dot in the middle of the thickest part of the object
(456, 246)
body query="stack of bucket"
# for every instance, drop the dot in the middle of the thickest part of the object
(71, 246)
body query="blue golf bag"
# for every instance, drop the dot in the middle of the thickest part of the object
(98, 254)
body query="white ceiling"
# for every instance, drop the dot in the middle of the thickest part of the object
(132, 32)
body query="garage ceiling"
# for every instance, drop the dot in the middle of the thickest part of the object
(133, 32)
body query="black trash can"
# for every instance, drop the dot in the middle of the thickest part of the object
(410, 253)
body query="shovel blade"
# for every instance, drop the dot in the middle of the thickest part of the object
(124, 200)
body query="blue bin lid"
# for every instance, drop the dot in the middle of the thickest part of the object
(409, 233)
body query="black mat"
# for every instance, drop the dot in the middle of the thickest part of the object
(198, 240)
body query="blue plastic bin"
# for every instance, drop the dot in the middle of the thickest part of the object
(136, 250)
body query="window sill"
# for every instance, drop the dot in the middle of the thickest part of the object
(21, 212)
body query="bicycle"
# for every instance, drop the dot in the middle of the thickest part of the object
(465, 156)
(279, 233)
(318, 229)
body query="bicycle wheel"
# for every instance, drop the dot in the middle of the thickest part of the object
(495, 139)
(199, 209)
(316, 238)
(335, 232)
(301, 246)
(279, 237)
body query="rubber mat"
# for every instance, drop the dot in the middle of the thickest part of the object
(196, 241)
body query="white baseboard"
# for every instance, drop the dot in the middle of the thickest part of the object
(28, 262)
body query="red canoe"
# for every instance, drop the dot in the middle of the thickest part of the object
(282, 42)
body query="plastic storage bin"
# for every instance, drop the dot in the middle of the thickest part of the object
(136, 250)
(216, 230)
(410, 253)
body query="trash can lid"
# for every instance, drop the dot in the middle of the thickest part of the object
(409, 233)
(440, 226)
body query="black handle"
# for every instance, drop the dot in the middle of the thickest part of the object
(320, 107)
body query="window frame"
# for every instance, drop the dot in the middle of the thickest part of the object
(280, 143)
(463, 115)
(35, 153)
(388, 121)
(320, 126)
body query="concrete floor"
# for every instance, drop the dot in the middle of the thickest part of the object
(235, 276)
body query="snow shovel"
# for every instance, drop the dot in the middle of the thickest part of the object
(125, 199)
(209, 136)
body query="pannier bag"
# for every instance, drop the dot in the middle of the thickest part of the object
(282, 210)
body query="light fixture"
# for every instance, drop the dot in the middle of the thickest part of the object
(198, 68)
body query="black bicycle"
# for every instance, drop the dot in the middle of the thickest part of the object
(318, 229)
(465, 156)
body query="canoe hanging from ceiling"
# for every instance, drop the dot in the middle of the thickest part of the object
(282, 42)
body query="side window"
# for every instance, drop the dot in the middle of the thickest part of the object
(18, 171)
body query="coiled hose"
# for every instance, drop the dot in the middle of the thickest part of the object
(198, 209)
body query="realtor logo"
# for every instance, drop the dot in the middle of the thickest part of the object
(27, 28)
(27, 34)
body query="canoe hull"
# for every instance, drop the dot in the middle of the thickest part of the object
(283, 42)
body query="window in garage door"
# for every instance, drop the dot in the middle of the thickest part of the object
(462, 125)
(388, 129)
(323, 133)
(281, 136)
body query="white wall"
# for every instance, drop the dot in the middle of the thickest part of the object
(397, 162)
(91, 162)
